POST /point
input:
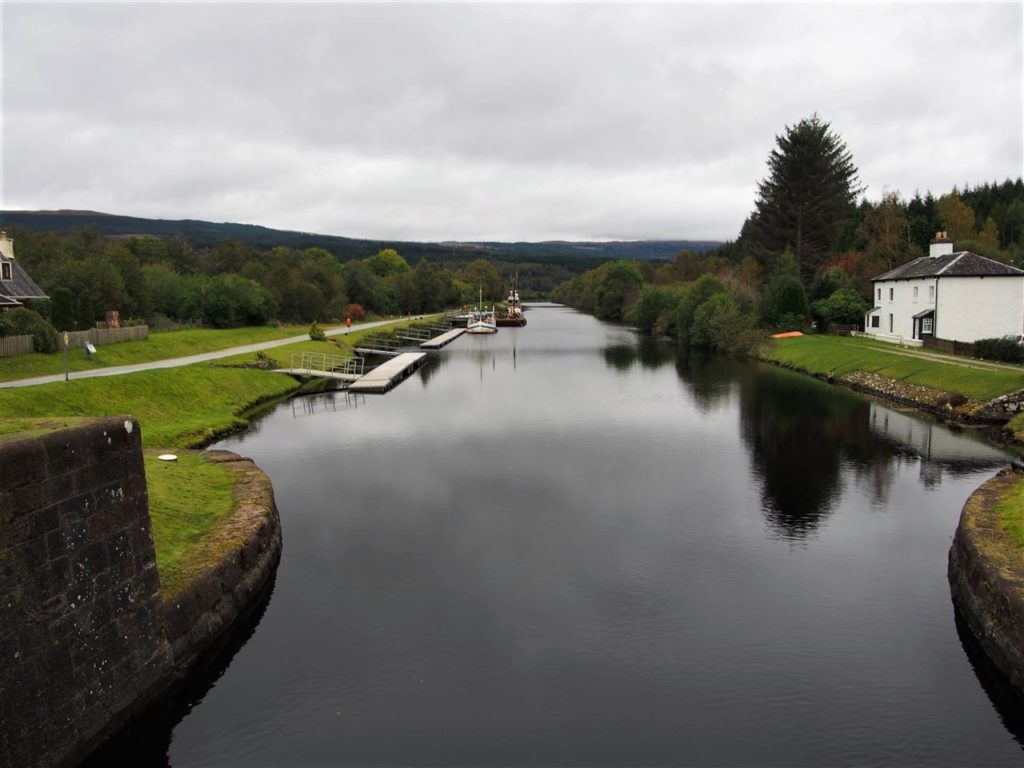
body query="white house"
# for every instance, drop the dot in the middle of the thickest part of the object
(17, 289)
(959, 296)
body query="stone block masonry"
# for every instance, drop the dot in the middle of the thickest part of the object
(81, 627)
(87, 640)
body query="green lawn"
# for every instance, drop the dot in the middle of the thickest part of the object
(838, 356)
(1011, 513)
(187, 498)
(176, 407)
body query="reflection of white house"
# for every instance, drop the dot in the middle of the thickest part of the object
(934, 442)
(958, 296)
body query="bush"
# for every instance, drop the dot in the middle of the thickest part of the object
(1003, 350)
(354, 311)
(25, 322)
(316, 333)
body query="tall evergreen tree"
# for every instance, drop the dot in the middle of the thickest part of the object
(811, 188)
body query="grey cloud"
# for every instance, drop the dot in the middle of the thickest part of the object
(492, 121)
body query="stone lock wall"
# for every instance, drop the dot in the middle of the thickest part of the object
(986, 578)
(220, 592)
(81, 628)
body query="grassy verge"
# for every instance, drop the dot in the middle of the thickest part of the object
(187, 498)
(159, 346)
(1010, 509)
(838, 356)
(178, 407)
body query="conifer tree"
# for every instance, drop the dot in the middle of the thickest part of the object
(811, 188)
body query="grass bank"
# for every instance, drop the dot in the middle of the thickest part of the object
(187, 498)
(176, 408)
(838, 357)
(1010, 509)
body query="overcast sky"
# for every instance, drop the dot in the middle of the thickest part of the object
(492, 121)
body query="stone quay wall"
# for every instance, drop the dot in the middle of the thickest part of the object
(81, 631)
(87, 641)
(986, 577)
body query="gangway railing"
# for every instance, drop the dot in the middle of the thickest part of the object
(321, 362)
(379, 345)
(413, 334)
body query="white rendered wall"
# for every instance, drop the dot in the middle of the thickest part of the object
(902, 306)
(972, 308)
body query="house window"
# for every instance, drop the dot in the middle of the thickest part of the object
(891, 292)
(931, 293)
(915, 293)
(5, 270)
(875, 321)
(879, 294)
(890, 323)
(926, 325)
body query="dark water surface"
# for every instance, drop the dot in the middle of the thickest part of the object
(562, 545)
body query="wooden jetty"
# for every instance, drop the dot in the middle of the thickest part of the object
(388, 374)
(445, 338)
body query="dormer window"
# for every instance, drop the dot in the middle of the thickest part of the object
(5, 270)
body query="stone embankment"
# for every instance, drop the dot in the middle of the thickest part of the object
(86, 639)
(986, 577)
(237, 557)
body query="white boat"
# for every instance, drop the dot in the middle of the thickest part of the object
(482, 322)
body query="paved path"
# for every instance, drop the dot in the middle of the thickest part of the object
(191, 359)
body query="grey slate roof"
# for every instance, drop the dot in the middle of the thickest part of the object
(959, 264)
(20, 286)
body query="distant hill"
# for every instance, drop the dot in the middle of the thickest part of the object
(204, 234)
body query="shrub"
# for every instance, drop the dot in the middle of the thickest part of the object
(1004, 350)
(354, 311)
(316, 333)
(25, 322)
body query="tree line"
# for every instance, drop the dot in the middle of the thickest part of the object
(165, 281)
(805, 255)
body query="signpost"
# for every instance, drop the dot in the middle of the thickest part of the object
(66, 340)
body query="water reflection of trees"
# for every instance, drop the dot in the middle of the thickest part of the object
(804, 436)
(797, 435)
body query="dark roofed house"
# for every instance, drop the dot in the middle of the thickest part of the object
(17, 289)
(954, 295)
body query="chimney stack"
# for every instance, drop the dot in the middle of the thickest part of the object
(941, 245)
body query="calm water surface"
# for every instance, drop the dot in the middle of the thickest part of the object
(562, 545)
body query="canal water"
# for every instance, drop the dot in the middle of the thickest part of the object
(567, 545)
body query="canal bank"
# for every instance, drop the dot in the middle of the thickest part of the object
(986, 576)
(963, 392)
(87, 637)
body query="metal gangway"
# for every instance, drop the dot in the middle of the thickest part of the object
(322, 365)
(379, 345)
(414, 334)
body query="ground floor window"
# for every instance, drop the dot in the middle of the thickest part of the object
(890, 323)
(926, 325)
(875, 321)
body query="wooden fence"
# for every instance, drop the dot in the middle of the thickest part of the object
(22, 345)
(15, 345)
(964, 348)
(101, 336)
